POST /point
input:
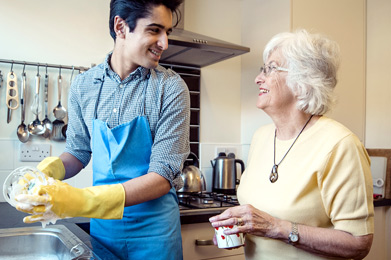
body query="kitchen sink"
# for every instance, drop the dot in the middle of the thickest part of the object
(54, 242)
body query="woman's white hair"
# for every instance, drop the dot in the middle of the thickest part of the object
(312, 61)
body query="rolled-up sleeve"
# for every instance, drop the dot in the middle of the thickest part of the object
(78, 136)
(171, 140)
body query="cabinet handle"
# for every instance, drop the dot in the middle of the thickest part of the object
(204, 242)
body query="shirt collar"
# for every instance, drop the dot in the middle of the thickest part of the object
(139, 72)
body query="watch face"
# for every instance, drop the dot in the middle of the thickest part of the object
(293, 237)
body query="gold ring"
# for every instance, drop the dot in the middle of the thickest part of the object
(240, 222)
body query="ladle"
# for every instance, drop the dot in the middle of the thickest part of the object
(65, 127)
(48, 124)
(22, 131)
(36, 127)
(59, 111)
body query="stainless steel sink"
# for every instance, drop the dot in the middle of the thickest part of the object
(54, 242)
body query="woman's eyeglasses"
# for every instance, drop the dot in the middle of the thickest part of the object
(267, 69)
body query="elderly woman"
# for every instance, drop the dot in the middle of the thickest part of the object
(307, 189)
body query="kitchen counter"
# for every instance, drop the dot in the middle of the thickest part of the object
(11, 218)
(382, 202)
(193, 216)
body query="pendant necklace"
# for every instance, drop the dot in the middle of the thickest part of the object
(274, 174)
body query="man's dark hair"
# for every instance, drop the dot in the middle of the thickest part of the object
(132, 10)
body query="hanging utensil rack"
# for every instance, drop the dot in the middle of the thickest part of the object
(39, 64)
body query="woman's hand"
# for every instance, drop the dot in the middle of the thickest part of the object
(322, 241)
(248, 220)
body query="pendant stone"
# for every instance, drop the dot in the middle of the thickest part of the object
(274, 174)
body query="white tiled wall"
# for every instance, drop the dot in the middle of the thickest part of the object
(9, 160)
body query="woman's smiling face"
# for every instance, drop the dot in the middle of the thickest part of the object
(274, 94)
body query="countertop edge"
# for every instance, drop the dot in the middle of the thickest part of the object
(382, 202)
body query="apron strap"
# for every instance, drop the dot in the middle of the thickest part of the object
(144, 94)
(97, 98)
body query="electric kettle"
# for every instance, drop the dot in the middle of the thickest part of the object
(224, 173)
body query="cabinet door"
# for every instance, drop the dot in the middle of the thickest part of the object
(344, 22)
(204, 231)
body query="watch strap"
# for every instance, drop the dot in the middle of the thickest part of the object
(294, 235)
(294, 228)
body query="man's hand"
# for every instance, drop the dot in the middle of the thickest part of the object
(106, 202)
(52, 167)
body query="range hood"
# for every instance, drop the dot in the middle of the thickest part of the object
(196, 50)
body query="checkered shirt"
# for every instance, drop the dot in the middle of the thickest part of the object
(167, 108)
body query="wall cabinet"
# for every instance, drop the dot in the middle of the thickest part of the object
(204, 231)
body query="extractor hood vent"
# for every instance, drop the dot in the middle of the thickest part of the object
(196, 50)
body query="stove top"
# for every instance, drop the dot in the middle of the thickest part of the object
(206, 200)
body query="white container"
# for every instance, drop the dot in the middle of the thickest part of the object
(228, 241)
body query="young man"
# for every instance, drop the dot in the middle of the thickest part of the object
(132, 115)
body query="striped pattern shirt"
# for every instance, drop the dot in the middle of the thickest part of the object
(166, 106)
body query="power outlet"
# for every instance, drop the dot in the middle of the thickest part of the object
(226, 150)
(33, 152)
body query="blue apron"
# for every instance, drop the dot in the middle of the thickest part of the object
(150, 230)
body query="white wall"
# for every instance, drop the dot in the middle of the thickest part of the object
(378, 94)
(55, 32)
(261, 19)
(229, 116)
(67, 32)
(220, 82)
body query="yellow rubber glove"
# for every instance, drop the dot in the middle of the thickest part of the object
(105, 202)
(52, 167)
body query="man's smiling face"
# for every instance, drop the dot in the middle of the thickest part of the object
(145, 45)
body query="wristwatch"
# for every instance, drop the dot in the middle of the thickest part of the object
(294, 235)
